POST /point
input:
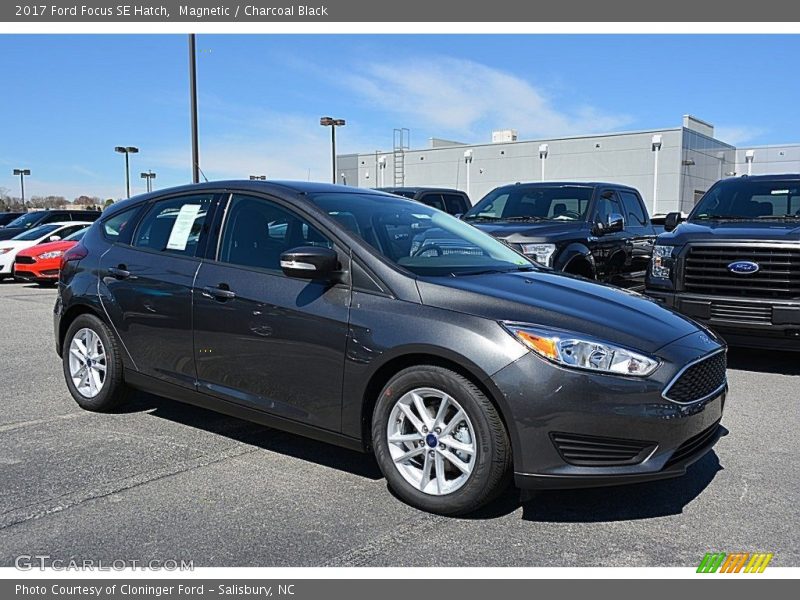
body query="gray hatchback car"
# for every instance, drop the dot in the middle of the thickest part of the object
(317, 309)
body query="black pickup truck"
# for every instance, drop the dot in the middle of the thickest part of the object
(598, 230)
(734, 264)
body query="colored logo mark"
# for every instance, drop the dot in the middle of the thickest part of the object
(737, 562)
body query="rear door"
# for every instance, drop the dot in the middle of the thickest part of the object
(147, 276)
(641, 235)
(262, 339)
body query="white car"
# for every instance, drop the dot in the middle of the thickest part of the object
(51, 232)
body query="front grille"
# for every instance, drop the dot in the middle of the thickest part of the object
(741, 312)
(699, 380)
(24, 260)
(706, 271)
(591, 451)
(693, 445)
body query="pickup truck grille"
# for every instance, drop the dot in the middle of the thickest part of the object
(706, 271)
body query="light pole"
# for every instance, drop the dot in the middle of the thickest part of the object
(543, 152)
(149, 176)
(333, 124)
(193, 102)
(126, 150)
(468, 161)
(655, 146)
(382, 168)
(258, 177)
(748, 158)
(22, 173)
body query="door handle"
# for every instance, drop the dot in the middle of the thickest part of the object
(119, 272)
(218, 293)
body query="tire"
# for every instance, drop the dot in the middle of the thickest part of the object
(112, 391)
(456, 492)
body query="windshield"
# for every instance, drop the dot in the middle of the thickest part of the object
(533, 203)
(418, 238)
(77, 236)
(744, 199)
(27, 220)
(36, 233)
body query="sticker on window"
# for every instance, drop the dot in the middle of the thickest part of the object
(182, 228)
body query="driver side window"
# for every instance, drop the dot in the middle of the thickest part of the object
(258, 231)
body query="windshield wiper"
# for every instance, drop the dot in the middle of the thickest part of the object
(493, 270)
(779, 217)
(721, 218)
(481, 218)
(526, 218)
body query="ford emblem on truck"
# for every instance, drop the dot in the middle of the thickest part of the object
(743, 267)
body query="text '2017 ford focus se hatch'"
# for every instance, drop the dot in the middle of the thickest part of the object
(314, 308)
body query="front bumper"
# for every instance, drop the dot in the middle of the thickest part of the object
(749, 322)
(547, 402)
(34, 273)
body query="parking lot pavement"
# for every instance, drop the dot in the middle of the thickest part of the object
(161, 480)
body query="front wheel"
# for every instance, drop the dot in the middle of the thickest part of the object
(93, 365)
(439, 441)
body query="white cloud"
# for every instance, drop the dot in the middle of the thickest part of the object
(465, 98)
(737, 134)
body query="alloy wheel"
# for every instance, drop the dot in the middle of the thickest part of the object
(87, 362)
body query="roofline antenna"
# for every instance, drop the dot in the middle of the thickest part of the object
(201, 172)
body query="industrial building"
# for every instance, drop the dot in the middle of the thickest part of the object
(671, 168)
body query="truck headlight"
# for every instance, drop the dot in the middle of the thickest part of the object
(541, 253)
(661, 265)
(577, 351)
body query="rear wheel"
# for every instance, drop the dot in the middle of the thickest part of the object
(439, 441)
(93, 365)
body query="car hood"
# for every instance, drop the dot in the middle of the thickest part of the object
(16, 245)
(516, 232)
(7, 233)
(48, 247)
(551, 299)
(732, 230)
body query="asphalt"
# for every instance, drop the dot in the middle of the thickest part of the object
(160, 480)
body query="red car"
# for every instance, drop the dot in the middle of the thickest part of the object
(40, 263)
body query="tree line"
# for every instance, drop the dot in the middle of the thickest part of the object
(14, 203)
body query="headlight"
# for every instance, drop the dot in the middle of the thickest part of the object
(579, 352)
(53, 254)
(541, 253)
(4, 250)
(661, 265)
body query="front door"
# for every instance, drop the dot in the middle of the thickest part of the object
(263, 339)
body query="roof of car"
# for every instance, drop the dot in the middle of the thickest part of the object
(570, 184)
(415, 188)
(773, 177)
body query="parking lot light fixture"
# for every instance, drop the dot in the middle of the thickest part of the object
(382, 168)
(333, 124)
(544, 150)
(749, 156)
(655, 145)
(127, 150)
(148, 176)
(468, 162)
(22, 173)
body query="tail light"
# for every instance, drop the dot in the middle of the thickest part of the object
(77, 252)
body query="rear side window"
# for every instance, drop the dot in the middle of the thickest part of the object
(455, 204)
(432, 200)
(634, 213)
(174, 225)
(117, 225)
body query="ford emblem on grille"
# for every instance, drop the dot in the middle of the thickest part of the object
(743, 267)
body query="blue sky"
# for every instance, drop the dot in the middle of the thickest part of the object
(68, 100)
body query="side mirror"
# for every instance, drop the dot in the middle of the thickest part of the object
(458, 215)
(54, 238)
(615, 223)
(310, 262)
(672, 220)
